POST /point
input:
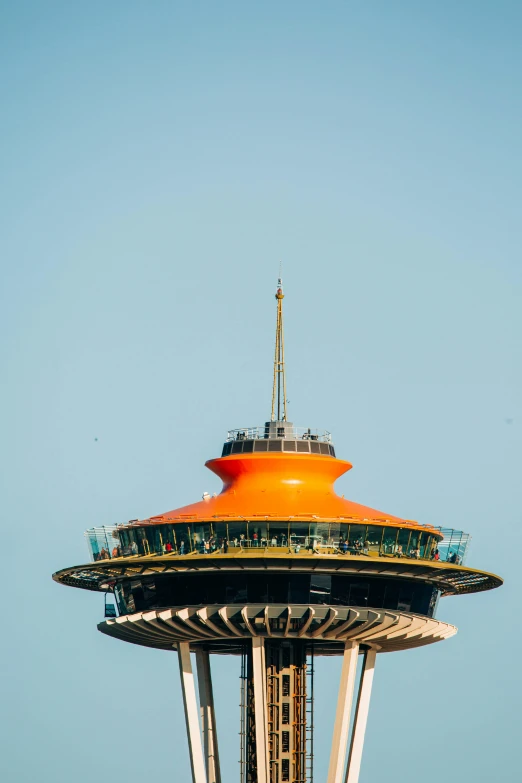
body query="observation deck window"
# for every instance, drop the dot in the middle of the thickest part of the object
(293, 536)
(202, 589)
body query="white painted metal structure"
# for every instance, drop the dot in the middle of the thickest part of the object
(361, 717)
(208, 716)
(258, 661)
(184, 628)
(197, 762)
(342, 715)
(383, 629)
(204, 759)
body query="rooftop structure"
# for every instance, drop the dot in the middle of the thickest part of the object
(277, 569)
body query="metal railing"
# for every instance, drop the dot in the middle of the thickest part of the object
(289, 432)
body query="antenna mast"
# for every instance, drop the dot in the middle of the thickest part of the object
(279, 387)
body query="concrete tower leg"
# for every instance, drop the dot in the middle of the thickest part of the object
(260, 717)
(208, 716)
(361, 718)
(197, 762)
(342, 715)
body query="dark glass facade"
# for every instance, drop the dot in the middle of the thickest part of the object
(161, 592)
(208, 537)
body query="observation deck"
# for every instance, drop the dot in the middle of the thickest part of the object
(276, 436)
(249, 525)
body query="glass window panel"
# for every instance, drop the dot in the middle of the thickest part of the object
(299, 534)
(374, 538)
(258, 533)
(341, 590)
(300, 589)
(377, 593)
(278, 534)
(333, 538)
(236, 589)
(257, 589)
(181, 539)
(134, 541)
(277, 588)
(320, 588)
(344, 532)
(415, 546)
(357, 538)
(319, 534)
(237, 533)
(391, 596)
(125, 542)
(129, 598)
(405, 597)
(403, 540)
(92, 541)
(143, 544)
(219, 531)
(359, 594)
(120, 599)
(390, 541)
(202, 537)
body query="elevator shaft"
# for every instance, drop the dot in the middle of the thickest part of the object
(284, 690)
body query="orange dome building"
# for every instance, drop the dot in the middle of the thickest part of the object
(277, 569)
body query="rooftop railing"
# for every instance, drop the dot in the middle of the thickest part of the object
(284, 430)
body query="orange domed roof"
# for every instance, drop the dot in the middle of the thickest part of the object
(277, 486)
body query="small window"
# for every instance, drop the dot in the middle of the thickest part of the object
(275, 445)
(302, 445)
(285, 742)
(314, 447)
(286, 685)
(285, 769)
(237, 447)
(261, 445)
(286, 713)
(324, 448)
(248, 446)
(289, 445)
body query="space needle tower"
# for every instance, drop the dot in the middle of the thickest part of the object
(277, 570)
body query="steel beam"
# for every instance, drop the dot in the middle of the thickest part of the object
(260, 717)
(208, 716)
(342, 715)
(361, 718)
(197, 761)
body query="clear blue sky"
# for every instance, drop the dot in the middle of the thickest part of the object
(157, 160)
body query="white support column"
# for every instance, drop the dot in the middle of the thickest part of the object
(361, 718)
(197, 762)
(208, 716)
(260, 717)
(342, 715)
